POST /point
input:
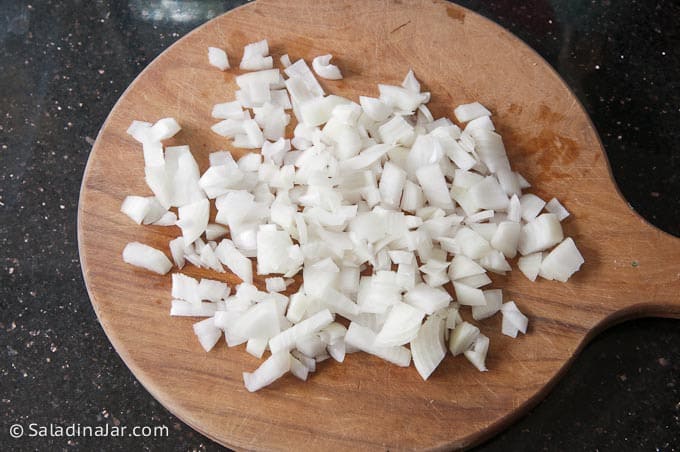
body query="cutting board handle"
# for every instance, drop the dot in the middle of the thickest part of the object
(649, 265)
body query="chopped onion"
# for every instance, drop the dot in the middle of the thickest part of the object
(324, 69)
(554, 206)
(276, 366)
(144, 256)
(330, 201)
(365, 339)
(513, 320)
(462, 337)
(401, 325)
(540, 234)
(218, 58)
(467, 112)
(208, 334)
(562, 262)
(494, 300)
(428, 348)
(530, 265)
(427, 299)
(477, 354)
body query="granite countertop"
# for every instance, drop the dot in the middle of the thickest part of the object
(63, 65)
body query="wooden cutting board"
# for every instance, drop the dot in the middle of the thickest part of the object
(631, 269)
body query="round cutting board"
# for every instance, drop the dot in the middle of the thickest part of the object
(631, 268)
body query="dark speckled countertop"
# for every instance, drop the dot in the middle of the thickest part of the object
(64, 64)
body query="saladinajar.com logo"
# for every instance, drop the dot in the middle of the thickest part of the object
(33, 430)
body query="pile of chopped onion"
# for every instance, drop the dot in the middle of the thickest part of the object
(385, 212)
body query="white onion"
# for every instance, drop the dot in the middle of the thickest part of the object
(208, 334)
(530, 265)
(276, 366)
(513, 320)
(562, 262)
(144, 256)
(540, 234)
(427, 299)
(218, 58)
(467, 112)
(365, 340)
(531, 206)
(182, 308)
(324, 69)
(553, 206)
(240, 265)
(494, 300)
(401, 325)
(477, 354)
(330, 201)
(462, 338)
(428, 348)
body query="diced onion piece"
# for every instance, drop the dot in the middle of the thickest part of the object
(139, 130)
(488, 194)
(256, 346)
(177, 251)
(562, 262)
(182, 308)
(324, 69)
(144, 256)
(260, 320)
(276, 366)
(468, 296)
(428, 348)
(472, 245)
(462, 267)
(209, 259)
(240, 265)
(531, 206)
(228, 110)
(210, 289)
(427, 299)
(554, 206)
(397, 131)
(391, 184)
(401, 325)
(298, 369)
(467, 112)
(530, 265)
(136, 207)
(375, 109)
(410, 82)
(477, 355)
(476, 281)
(513, 320)
(506, 238)
(337, 351)
(193, 219)
(434, 187)
(164, 129)
(276, 284)
(494, 300)
(185, 287)
(215, 231)
(540, 234)
(462, 337)
(208, 334)
(285, 340)
(494, 261)
(299, 70)
(364, 339)
(218, 58)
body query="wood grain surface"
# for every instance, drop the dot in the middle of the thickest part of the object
(631, 269)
